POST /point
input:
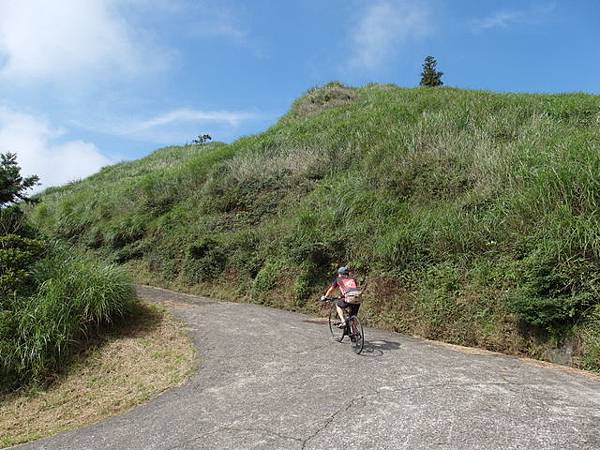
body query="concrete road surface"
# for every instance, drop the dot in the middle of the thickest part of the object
(271, 379)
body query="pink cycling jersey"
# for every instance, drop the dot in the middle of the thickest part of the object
(345, 284)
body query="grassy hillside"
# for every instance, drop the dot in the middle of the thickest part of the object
(475, 215)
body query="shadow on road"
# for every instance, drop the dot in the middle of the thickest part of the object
(379, 347)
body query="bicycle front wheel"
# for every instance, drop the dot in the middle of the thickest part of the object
(357, 335)
(334, 320)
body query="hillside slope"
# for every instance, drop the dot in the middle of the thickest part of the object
(474, 214)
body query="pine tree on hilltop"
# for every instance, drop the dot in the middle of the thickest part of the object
(430, 76)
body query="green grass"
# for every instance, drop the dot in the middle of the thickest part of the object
(477, 213)
(120, 367)
(74, 296)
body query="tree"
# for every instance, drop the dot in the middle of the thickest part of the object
(12, 190)
(12, 185)
(202, 139)
(18, 251)
(431, 77)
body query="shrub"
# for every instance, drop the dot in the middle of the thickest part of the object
(590, 340)
(437, 306)
(158, 194)
(243, 253)
(76, 296)
(51, 298)
(17, 255)
(308, 276)
(130, 230)
(266, 278)
(554, 294)
(14, 221)
(204, 261)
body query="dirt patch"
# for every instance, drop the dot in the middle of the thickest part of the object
(388, 304)
(122, 368)
(529, 361)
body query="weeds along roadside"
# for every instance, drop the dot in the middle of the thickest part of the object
(70, 297)
(114, 370)
(476, 212)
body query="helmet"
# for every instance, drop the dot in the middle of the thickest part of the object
(343, 270)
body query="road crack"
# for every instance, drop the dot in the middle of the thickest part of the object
(329, 420)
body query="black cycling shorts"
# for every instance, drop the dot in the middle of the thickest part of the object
(351, 306)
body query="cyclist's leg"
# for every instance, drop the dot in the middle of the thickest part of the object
(341, 314)
(341, 305)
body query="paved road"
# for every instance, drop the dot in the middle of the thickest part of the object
(272, 379)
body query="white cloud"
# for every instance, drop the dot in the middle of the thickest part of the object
(499, 19)
(173, 126)
(384, 26)
(65, 40)
(507, 18)
(41, 152)
(200, 18)
(192, 115)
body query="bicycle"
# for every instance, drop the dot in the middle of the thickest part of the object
(353, 328)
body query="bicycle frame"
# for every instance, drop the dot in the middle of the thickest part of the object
(353, 328)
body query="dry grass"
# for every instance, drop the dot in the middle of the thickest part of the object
(331, 95)
(122, 368)
(293, 161)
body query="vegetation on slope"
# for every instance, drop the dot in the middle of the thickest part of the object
(50, 298)
(474, 214)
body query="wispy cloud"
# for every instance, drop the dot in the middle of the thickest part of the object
(498, 20)
(201, 18)
(507, 18)
(177, 125)
(384, 26)
(42, 149)
(232, 118)
(69, 40)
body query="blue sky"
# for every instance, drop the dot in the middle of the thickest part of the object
(85, 83)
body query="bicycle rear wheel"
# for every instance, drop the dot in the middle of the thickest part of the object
(357, 336)
(334, 320)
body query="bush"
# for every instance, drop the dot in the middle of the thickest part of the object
(17, 255)
(76, 296)
(437, 305)
(554, 294)
(126, 232)
(590, 340)
(205, 260)
(266, 278)
(14, 221)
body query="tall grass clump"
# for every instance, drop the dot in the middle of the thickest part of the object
(75, 296)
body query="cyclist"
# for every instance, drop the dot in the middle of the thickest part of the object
(347, 286)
